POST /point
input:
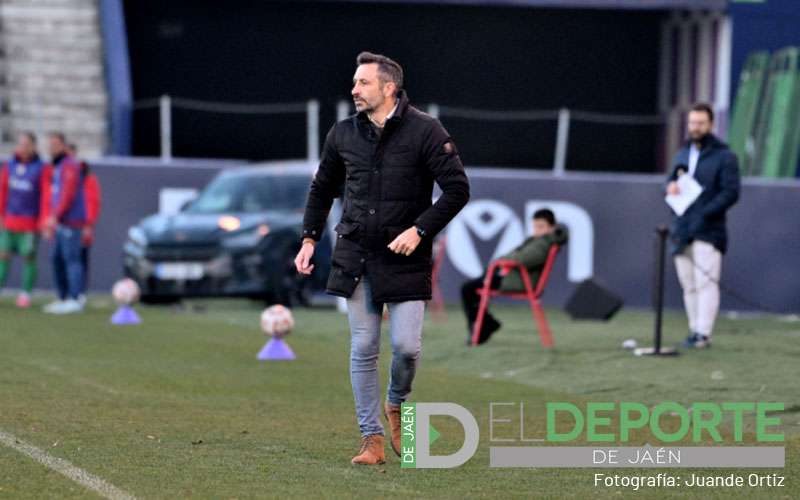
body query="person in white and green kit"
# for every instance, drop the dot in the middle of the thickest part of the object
(24, 184)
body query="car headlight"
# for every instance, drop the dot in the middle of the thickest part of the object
(136, 235)
(246, 239)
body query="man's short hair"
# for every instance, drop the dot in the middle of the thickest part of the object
(30, 135)
(388, 69)
(704, 108)
(59, 135)
(546, 214)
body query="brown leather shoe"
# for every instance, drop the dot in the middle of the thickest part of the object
(392, 414)
(371, 452)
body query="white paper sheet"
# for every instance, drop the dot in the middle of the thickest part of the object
(690, 189)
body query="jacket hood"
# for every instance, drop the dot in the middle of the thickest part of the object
(560, 234)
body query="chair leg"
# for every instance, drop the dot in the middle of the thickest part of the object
(476, 328)
(545, 335)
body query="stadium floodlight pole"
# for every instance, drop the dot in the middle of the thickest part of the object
(165, 127)
(562, 141)
(658, 298)
(312, 130)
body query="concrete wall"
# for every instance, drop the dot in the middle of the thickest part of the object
(52, 72)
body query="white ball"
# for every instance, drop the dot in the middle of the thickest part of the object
(125, 292)
(277, 321)
(629, 344)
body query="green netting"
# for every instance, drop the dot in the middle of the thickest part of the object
(741, 135)
(777, 130)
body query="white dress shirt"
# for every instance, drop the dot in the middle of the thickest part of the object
(694, 155)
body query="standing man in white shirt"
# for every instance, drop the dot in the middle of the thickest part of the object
(699, 236)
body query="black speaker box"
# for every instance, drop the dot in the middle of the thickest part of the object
(592, 301)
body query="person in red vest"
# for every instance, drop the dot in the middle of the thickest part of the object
(91, 186)
(24, 188)
(66, 218)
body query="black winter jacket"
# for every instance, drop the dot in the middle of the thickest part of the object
(717, 172)
(386, 182)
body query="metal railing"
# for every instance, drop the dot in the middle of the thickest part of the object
(562, 117)
(167, 103)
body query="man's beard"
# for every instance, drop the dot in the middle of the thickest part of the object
(696, 137)
(365, 107)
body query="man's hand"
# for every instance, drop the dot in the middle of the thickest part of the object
(303, 260)
(673, 189)
(87, 236)
(406, 242)
(49, 229)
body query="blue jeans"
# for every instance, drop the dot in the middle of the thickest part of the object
(67, 262)
(405, 328)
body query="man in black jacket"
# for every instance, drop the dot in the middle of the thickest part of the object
(387, 158)
(699, 237)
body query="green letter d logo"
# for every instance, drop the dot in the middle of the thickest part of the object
(423, 435)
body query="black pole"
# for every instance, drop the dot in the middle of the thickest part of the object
(658, 297)
(661, 244)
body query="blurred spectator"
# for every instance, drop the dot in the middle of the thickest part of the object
(91, 186)
(24, 183)
(699, 236)
(67, 216)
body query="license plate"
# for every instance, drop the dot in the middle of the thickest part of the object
(179, 271)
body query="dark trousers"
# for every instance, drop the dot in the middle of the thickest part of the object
(471, 300)
(85, 262)
(67, 262)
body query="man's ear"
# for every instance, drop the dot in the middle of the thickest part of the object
(389, 89)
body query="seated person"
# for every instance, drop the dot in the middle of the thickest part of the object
(532, 253)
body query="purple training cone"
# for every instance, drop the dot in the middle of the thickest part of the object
(275, 349)
(125, 315)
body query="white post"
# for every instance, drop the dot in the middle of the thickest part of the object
(562, 141)
(433, 110)
(665, 67)
(342, 110)
(165, 126)
(686, 62)
(312, 130)
(722, 93)
(705, 52)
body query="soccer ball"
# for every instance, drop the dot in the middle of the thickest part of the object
(629, 344)
(277, 321)
(125, 292)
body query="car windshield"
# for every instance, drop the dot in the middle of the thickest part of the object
(252, 193)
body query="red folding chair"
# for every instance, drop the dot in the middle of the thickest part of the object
(531, 294)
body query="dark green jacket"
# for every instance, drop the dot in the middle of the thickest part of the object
(533, 254)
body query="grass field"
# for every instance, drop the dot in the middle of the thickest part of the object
(179, 407)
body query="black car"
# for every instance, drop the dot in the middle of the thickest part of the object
(239, 237)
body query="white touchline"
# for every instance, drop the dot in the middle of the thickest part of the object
(65, 468)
